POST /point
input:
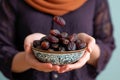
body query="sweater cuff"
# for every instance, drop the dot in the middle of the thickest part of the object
(105, 55)
(6, 64)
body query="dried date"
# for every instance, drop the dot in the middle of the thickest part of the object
(71, 46)
(45, 45)
(55, 32)
(59, 41)
(73, 37)
(53, 39)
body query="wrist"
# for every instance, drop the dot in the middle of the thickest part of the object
(19, 63)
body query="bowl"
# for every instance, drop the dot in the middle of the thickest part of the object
(58, 57)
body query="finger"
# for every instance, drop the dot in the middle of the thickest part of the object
(45, 67)
(91, 45)
(81, 62)
(76, 65)
(28, 48)
(83, 36)
(56, 68)
(89, 40)
(30, 58)
(29, 39)
(63, 69)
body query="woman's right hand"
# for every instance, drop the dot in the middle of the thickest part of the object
(30, 58)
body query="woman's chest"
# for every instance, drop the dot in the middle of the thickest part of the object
(80, 20)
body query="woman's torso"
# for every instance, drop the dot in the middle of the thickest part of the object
(29, 20)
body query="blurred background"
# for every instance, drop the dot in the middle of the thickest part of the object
(112, 71)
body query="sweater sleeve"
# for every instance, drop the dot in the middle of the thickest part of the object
(7, 37)
(103, 33)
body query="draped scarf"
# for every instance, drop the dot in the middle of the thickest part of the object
(56, 7)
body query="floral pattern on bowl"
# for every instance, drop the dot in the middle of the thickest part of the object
(58, 57)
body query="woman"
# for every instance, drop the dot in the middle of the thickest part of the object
(22, 21)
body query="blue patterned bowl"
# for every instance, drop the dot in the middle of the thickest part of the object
(58, 57)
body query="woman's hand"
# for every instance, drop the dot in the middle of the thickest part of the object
(86, 57)
(30, 58)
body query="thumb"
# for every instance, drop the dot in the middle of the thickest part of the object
(91, 45)
(28, 48)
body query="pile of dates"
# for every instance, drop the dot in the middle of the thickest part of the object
(59, 41)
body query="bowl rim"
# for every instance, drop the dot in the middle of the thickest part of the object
(58, 52)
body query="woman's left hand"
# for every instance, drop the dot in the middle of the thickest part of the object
(85, 58)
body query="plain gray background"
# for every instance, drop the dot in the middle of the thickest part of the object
(112, 71)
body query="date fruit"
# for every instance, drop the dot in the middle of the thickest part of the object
(55, 32)
(36, 43)
(73, 37)
(59, 41)
(53, 39)
(63, 35)
(71, 46)
(45, 45)
(59, 20)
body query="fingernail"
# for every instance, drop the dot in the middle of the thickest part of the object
(62, 71)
